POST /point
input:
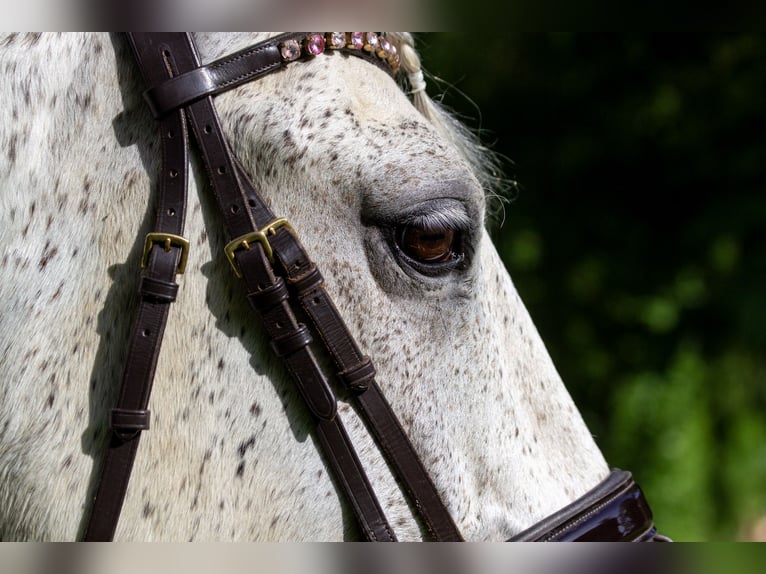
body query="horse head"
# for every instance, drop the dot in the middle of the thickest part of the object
(390, 201)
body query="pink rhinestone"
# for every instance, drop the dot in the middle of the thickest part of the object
(290, 50)
(315, 44)
(336, 40)
(357, 40)
(384, 48)
(370, 41)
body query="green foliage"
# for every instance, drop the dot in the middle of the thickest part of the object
(637, 241)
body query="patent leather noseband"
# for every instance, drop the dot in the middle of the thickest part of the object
(283, 284)
(614, 511)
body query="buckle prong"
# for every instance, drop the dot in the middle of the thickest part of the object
(260, 236)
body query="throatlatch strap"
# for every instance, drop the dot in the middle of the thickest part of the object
(164, 253)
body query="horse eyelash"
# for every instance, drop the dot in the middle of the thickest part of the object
(446, 217)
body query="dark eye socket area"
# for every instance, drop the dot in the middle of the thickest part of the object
(433, 238)
(430, 245)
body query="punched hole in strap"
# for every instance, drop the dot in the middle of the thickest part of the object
(158, 290)
(358, 377)
(270, 297)
(128, 423)
(292, 342)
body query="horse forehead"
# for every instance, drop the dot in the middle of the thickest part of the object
(333, 88)
(342, 115)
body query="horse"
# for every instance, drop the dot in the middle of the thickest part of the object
(365, 175)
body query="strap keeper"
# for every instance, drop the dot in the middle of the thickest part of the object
(358, 377)
(307, 283)
(128, 423)
(175, 92)
(270, 297)
(292, 342)
(158, 290)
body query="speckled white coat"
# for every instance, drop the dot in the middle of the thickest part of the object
(336, 146)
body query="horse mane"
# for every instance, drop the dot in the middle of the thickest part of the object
(485, 163)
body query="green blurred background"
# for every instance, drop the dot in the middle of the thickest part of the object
(636, 238)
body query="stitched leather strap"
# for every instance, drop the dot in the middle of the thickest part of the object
(357, 372)
(290, 339)
(305, 281)
(214, 78)
(244, 211)
(158, 290)
(229, 72)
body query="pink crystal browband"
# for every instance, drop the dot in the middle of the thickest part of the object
(315, 43)
(266, 57)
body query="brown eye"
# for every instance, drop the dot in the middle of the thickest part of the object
(428, 244)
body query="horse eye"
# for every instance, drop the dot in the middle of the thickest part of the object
(429, 245)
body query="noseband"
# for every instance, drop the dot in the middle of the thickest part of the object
(283, 285)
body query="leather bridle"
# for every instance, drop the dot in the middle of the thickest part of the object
(282, 285)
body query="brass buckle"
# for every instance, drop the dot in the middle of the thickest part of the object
(261, 237)
(167, 239)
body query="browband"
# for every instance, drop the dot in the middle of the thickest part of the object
(257, 61)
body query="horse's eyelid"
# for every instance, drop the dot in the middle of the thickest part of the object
(451, 218)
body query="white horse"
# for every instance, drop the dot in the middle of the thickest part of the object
(337, 146)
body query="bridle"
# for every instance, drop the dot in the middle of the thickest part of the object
(283, 285)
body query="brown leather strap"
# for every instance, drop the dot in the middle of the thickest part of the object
(303, 277)
(214, 78)
(355, 370)
(158, 290)
(289, 338)
(305, 282)
(230, 72)
(348, 469)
